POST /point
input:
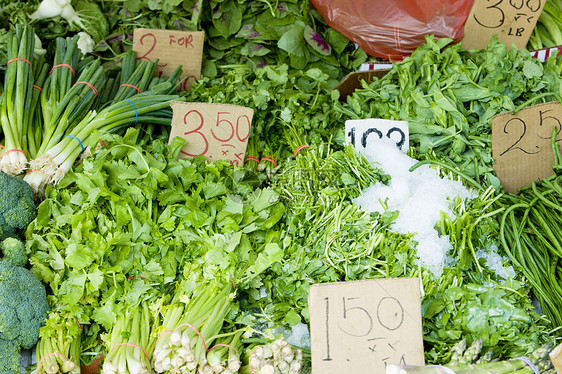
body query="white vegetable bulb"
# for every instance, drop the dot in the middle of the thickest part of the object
(85, 42)
(38, 48)
(47, 9)
(69, 14)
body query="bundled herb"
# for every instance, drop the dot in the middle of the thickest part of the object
(449, 96)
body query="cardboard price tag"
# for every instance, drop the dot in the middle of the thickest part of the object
(522, 144)
(556, 358)
(216, 131)
(171, 48)
(362, 326)
(361, 132)
(512, 20)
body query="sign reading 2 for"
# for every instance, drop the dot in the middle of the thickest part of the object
(363, 326)
(216, 131)
(172, 48)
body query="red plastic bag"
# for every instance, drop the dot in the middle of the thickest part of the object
(394, 28)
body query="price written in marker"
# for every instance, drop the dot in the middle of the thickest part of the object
(171, 48)
(362, 326)
(522, 144)
(216, 131)
(512, 20)
(361, 133)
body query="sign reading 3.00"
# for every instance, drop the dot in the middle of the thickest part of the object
(216, 131)
(512, 20)
(363, 326)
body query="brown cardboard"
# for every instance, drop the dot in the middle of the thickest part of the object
(216, 131)
(556, 358)
(352, 81)
(172, 48)
(361, 326)
(522, 145)
(513, 21)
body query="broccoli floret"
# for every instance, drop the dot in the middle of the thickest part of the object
(9, 357)
(14, 250)
(23, 310)
(17, 207)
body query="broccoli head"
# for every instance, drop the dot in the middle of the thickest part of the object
(17, 205)
(23, 310)
(9, 357)
(13, 250)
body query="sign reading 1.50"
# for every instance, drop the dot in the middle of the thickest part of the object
(216, 131)
(497, 12)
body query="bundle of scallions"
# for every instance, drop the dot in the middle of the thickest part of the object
(50, 114)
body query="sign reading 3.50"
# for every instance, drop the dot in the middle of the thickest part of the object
(216, 131)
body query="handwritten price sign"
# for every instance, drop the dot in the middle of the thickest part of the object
(216, 131)
(522, 144)
(362, 326)
(172, 48)
(512, 20)
(362, 132)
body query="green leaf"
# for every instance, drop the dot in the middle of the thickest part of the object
(229, 18)
(293, 41)
(531, 69)
(315, 40)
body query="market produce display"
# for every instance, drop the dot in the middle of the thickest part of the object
(126, 257)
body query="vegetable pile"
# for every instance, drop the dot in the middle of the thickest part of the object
(138, 261)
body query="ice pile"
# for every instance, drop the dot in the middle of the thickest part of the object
(419, 197)
(495, 262)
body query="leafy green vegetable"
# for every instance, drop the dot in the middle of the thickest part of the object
(449, 97)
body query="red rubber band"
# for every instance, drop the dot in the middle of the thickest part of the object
(19, 59)
(130, 85)
(300, 148)
(102, 143)
(39, 88)
(222, 345)
(52, 354)
(1, 146)
(251, 158)
(13, 150)
(198, 333)
(164, 332)
(35, 170)
(270, 159)
(251, 354)
(65, 65)
(130, 345)
(89, 85)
